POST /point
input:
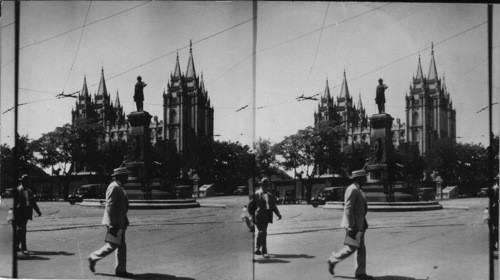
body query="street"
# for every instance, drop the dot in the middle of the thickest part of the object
(212, 243)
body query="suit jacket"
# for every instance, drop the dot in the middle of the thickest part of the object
(24, 203)
(115, 212)
(355, 208)
(257, 207)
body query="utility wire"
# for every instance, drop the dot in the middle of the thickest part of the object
(78, 47)
(8, 25)
(317, 47)
(314, 31)
(90, 23)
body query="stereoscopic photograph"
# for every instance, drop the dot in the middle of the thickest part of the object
(250, 140)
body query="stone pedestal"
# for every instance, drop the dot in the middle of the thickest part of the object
(138, 160)
(380, 164)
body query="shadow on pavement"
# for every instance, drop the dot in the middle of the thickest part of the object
(31, 258)
(291, 256)
(48, 253)
(149, 276)
(387, 277)
(269, 260)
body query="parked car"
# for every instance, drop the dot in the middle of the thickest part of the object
(46, 194)
(87, 191)
(483, 192)
(426, 194)
(241, 190)
(328, 194)
(7, 193)
(184, 191)
(289, 197)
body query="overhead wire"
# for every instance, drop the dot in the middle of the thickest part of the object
(77, 48)
(317, 47)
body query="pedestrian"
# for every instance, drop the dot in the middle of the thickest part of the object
(24, 204)
(380, 96)
(493, 215)
(355, 224)
(139, 94)
(116, 221)
(261, 207)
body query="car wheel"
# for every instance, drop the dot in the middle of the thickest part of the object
(72, 202)
(315, 204)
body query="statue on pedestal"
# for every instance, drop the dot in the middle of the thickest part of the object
(380, 97)
(139, 94)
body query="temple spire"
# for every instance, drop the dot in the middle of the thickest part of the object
(177, 71)
(117, 101)
(190, 72)
(432, 68)
(344, 91)
(327, 91)
(420, 74)
(102, 85)
(360, 104)
(85, 91)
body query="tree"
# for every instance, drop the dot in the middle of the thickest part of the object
(407, 155)
(354, 157)
(443, 158)
(265, 158)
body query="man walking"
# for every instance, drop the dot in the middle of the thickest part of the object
(354, 221)
(261, 207)
(24, 203)
(115, 218)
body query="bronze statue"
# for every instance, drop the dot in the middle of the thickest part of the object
(380, 97)
(139, 94)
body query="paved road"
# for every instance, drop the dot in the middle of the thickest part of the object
(212, 243)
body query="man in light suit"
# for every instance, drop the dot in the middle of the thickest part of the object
(354, 221)
(261, 207)
(24, 204)
(115, 218)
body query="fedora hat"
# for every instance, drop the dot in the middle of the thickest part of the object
(120, 171)
(358, 174)
(264, 180)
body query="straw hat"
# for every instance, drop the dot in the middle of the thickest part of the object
(120, 171)
(358, 174)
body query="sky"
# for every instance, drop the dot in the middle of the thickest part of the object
(299, 46)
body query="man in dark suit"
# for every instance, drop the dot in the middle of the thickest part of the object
(24, 203)
(261, 207)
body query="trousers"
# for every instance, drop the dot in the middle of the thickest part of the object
(262, 236)
(120, 254)
(20, 229)
(347, 250)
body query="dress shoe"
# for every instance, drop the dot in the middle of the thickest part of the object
(91, 264)
(26, 252)
(265, 255)
(364, 276)
(258, 252)
(124, 274)
(331, 267)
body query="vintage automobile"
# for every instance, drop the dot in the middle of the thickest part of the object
(426, 194)
(241, 190)
(328, 194)
(7, 193)
(184, 191)
(87, 191)
(483, 192)
(289, 197)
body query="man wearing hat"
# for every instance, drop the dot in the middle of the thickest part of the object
(261, 207)
(354, 221)
(139, 94)
(24, 204)
(115, 218)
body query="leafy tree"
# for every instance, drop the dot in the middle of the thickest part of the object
(412, 164)
(265, 158)
(354, 157)
(443, 158)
